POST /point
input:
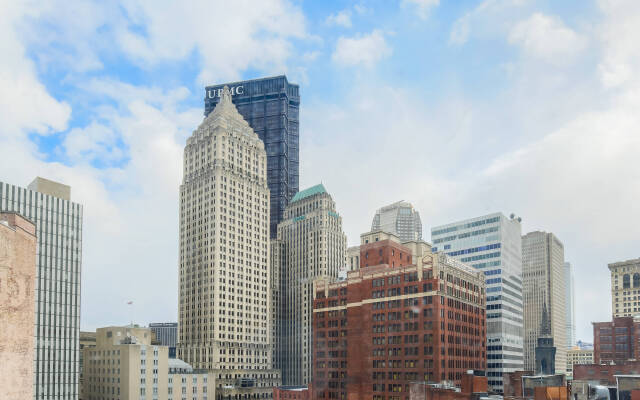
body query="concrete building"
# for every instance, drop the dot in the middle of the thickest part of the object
(625, 288)
(616, 341)
(570, 304)
(399, 218)
(385, 327)
(58, 223)
(492, 244)
(87, 339)
(353, 258)
(125, 365)
(225, 299)
(310, 245)
(166, 333)
(271, 106)
(543, 286)
(17, 305)
(578, 356)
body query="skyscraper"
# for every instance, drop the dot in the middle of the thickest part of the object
(625, 284)
(544, 291)
(58, 223)
(271, 107)
(570, 304)
(399, 218)
(310, 245)
(225, 300)
(492, 243)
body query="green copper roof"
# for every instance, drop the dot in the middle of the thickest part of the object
(313, 190)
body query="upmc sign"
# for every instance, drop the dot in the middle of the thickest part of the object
(213, 93)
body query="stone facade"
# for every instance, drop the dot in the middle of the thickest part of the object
(17, 304)
(578, 356)
(310, 245)
(625, 288)
(225, 301)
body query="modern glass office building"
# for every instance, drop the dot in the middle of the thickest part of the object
(58, 223)
(271, 107)
(493, 244)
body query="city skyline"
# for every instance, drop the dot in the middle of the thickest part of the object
(114, 131)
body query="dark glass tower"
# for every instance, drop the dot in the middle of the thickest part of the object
(271, 107)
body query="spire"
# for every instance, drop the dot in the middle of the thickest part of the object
(226, 95)
(545, 323)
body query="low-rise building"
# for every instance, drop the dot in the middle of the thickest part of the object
(125, 365)
(577, 356)
(292, 393)
(615, 341)
(604, 374)
(87, 339)
(393, 323)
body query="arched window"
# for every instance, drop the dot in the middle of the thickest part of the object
(626, 281)
(636, 280)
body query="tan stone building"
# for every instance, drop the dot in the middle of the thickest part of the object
(17, 305)
(577, 356)
(353, 258)
(625, 288)
(87, 339)
(310, 244)
(225, 301)
(543, 286)
(124, 365)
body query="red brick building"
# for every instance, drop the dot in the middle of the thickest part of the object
(604, 374)
(385, 327)
(292, 393)
(616, 341)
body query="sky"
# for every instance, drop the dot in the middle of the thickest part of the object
(461, 107)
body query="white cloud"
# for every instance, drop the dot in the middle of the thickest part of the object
(547, 38)
(422, 7)
(341, 18)
(364, 50)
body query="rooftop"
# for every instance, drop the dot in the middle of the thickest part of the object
(313, 190)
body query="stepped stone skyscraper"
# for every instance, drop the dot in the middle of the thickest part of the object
(544, 292)
(271, 106)
(58, 223)
(310, 245)
(399, 218)
(225, 299)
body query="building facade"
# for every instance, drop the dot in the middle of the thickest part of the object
(385, 327)
(271, 106)
(570, 304)
(625, 288)
(58, 223)
(87, 339)
(17, 305)
(578, 356)
(492, 244)
(225, 300)
(616, 341)
(544, 288)
(353, 258)
(310, 245)
(166, 333)
(399, 218)
(125, 365)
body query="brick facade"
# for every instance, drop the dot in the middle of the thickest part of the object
(605, 374)
(386, 327)
(616, 341)
(292, 393)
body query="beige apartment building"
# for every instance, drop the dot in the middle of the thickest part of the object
(353, 258)
(310, 244)
(124, 365)
(225, 286)
(17, 305)
(625, 288)
(543, 285)
(577, 356)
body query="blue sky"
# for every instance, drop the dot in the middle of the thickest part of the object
(461, 107)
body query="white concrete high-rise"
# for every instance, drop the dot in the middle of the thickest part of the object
(399, 218)
(543, 285)
(570, 304)
(58, 223)
(310, 244)
(225, 301)
(492, 243)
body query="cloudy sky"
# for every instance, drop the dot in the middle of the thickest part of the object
(461, 107)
